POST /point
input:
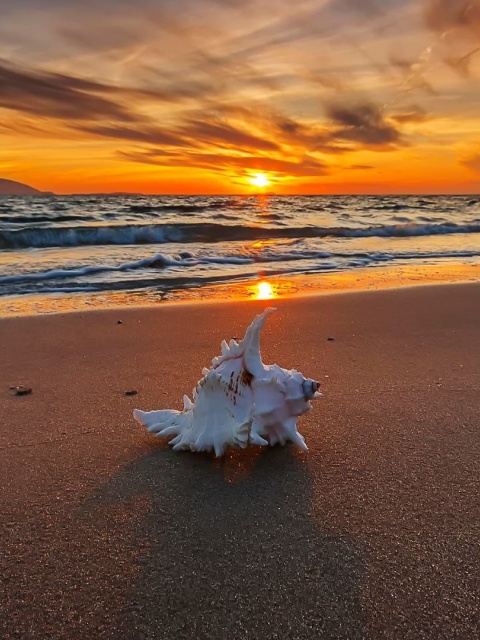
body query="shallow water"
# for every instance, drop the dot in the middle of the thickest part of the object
(159, 245)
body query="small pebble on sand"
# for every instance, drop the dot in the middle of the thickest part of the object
(20, 390)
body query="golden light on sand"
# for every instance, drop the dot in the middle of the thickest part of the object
(264, 291)
(259, 180)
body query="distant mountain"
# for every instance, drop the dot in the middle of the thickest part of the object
(12, 188)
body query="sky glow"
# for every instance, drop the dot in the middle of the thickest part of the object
(198, 96)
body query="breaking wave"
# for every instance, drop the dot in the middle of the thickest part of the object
(321, 260)
(209, 233)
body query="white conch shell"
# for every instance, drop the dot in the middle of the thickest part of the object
(238, 402)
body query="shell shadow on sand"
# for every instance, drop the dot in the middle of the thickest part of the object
(230, 549)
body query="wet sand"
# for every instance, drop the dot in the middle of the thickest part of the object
(107, 533)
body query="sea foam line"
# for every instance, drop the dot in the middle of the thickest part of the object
(187, 260)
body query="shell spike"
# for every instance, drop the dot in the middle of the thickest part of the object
(251, 343)
(258, 440)
(187, 403)
(225, 348)
(299, 441)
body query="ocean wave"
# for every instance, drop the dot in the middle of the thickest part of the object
(208, 232)
(36, 219)
(178, 208)
(321, 260)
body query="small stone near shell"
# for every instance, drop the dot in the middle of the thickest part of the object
(20, 390)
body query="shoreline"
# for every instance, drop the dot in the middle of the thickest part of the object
(283, 288)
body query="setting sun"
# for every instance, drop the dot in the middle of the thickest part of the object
(259, 180)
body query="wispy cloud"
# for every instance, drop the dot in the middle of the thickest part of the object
(414, 115)
(57, 96)
(457, 23)
(453, 15)
(472, 162)
(228, 164)
(222, 133)
(145, 133)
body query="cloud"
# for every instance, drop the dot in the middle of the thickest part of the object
(220, 163)
(361, 167)
(57, 96)
(211, 84)
(286, 131)
(70, 98)
(222, 133)
(365, 124)
(457, 23)
(415, 115)
(472, 162)
(141, 133)
(453, 15)
(307, 166)
(188, 134)
(365, 8)
(413, 73)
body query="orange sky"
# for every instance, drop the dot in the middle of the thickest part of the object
(199, 96)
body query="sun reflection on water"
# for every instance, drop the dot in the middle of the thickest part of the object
(264, 291)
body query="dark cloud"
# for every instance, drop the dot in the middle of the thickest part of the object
(297, 134)
(220, 133)
(314, 137)
(286, 131)
(69, 98)
(364, 124)
(189, 134)
(56, 96)
(101, 109)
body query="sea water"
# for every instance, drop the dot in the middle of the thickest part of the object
(157, 246)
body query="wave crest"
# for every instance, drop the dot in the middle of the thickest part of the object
(208, 233)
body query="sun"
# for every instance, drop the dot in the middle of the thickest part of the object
(259, 180)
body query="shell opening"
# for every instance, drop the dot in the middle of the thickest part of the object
(310, 388)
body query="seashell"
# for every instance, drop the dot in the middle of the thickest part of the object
(238, 402)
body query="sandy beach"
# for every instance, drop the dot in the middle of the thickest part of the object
(105, 532)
